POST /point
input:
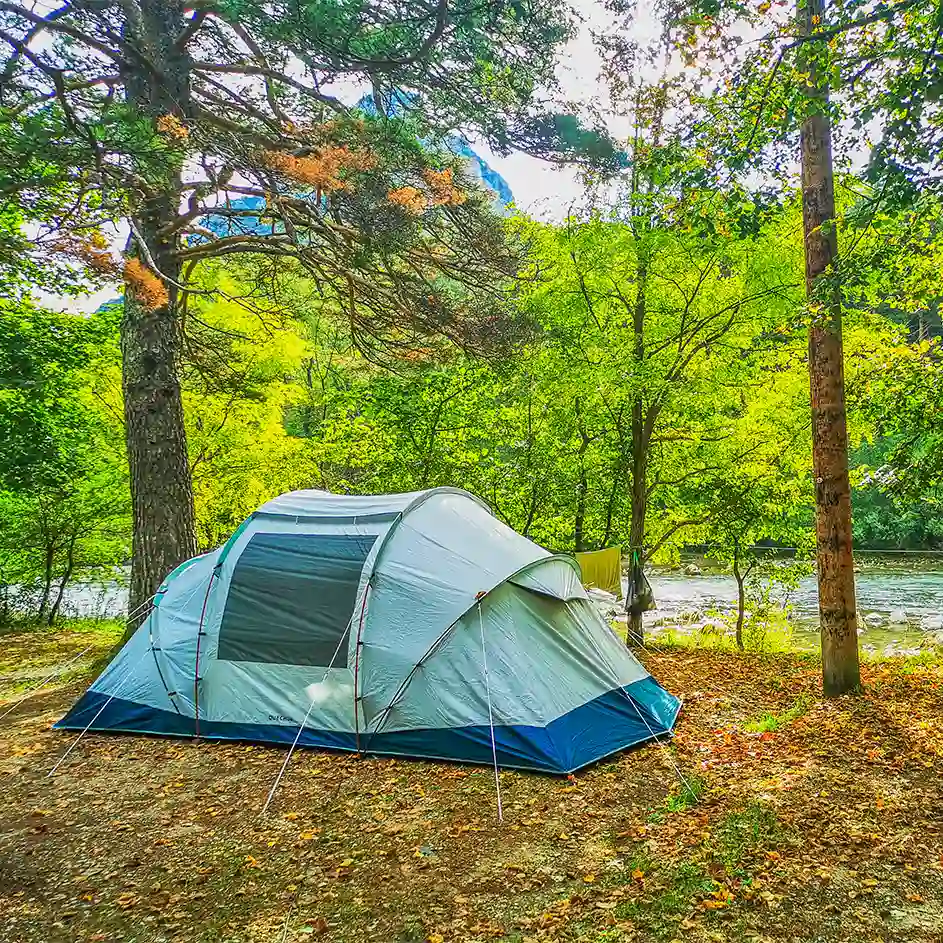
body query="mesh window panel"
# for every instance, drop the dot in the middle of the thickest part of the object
(291, 599)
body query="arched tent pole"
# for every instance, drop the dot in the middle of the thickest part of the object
(196, 661)
(381, 546)
(363, 610)
(384, 714)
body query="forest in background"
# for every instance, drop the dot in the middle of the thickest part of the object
(278, 396)
(318, 294)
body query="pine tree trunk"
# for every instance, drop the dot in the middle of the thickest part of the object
(161, 488)
(161, 491)
(840, 671)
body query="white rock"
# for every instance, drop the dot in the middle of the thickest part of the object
(932, 624)
(692, 569)
(898, 617)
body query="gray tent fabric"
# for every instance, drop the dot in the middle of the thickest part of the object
(412, 625)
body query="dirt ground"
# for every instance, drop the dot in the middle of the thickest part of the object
(796, 820)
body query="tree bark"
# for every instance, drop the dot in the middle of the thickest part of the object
(840, 670)
(161, 487)
(582, 485)
(640, 441)
(47, 579)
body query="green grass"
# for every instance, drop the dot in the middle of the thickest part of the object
(772, 634)
(684, 795)
(770, 723)
(35, 652)
(739, 836)
(675, 889)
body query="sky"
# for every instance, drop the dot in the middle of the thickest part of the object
(544, 190)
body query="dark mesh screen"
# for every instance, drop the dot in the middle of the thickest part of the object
(292, 598)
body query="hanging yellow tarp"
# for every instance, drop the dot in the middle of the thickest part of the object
(602, 569)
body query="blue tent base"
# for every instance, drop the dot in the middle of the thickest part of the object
(615, 721)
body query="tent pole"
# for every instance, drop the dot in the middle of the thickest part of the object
(363, 609)
(196, 661)
(494, 748)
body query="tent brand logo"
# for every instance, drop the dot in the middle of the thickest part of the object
(281, 718)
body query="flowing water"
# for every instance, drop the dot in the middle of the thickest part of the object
(916, 594)
(881, 592)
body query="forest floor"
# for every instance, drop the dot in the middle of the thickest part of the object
(809, 821)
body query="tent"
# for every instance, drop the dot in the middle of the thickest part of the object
(413, 625)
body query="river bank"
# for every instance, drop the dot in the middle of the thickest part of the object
(900, 603)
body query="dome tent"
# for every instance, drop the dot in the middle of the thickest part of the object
(413, 625)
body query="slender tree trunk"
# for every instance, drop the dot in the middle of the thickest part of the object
(64, 581)
(640, 437)
(840, 671)
(47, 580)
(161, 487)
(582, 486)
(611, 503)
(741, 595)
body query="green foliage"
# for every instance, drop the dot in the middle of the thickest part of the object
(43, 425)
(63, 486)
(238, 386)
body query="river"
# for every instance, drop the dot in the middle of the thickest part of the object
(881, 590)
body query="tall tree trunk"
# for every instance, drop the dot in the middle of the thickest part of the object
(64, 581)
(161, 487)
(640, 437)
(840, 671)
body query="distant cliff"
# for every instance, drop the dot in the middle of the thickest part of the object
(458, 145)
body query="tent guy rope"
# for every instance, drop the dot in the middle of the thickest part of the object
(55, 674)
(125, 677)
(494, 748)
(304, 722)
